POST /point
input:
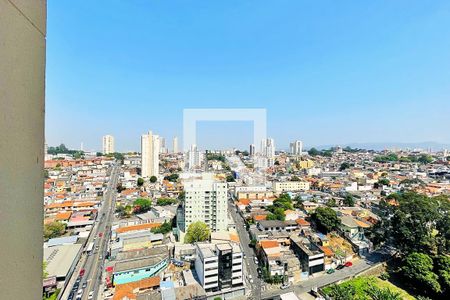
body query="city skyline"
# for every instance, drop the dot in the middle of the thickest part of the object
(320, 77)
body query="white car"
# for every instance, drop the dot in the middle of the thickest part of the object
(255, 260)
(91, 295)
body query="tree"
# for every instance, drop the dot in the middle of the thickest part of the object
(425, 159)
(442, 269)
(142, 205)
(295, 178)
(172, 177)
(413, 223)
(54, 229)
(313, 152)
(153, 179)
(140, 181)
(197, 232)
(326, 219)
(342, 292)
(383, 181)
(348, 200)
(376, 293)
(344, 166)
(418, 268)
(165, 201)
(164, 228)
(44, 269)
(230, 178)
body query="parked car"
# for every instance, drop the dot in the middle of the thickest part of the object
(84, 285)
(330, 271)
(340, 267)
(348, 264)
(259, 271)
(82, 271)
(255, 259)
(285, 285)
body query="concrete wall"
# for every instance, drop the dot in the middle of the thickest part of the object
(22, 87)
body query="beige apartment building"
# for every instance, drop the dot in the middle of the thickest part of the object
(290, 186)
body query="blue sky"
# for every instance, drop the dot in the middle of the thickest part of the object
(328, 72)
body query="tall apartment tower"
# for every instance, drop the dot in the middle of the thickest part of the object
(175, 144)
(150, 145)
(108, 144)
(206, 201)
(194, 158)
(252, 150)
(268, 148)
(296, 147)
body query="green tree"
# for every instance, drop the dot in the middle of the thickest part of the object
(165, 227)
(172, 177)
(141, 205)
(348, 200)
(153, 179)
(165, 201)
(344, 166)
(413, 222)
(326, 219)
(230, 178)
(197, 232)
(384, 181)
(140, 181)
(376, 293)
(442, 269)
(342, 292)
(54, 229)
(313, 152)
(44, 269)
(425, 159)
(418, 268)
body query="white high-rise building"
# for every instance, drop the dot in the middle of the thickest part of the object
(175, 144)
(206, 201)
(194, 158)
(268, 148)
(162, 145)
(296, 148)
(150, 145)
(108, 144)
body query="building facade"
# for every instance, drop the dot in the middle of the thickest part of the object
(108, 144)
(219, 266)
(296, 147)
(149, 155)
(206, 201)
(290, 186)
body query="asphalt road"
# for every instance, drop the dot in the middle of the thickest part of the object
(93, 264)
(249, 253)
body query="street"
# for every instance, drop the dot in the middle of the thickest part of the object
(93, 263)
(249, 253)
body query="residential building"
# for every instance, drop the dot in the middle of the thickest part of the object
(268, 150)
(290, 186)
(149, 155)
(206, 201)
(175, 145)
(108, 144)
(194, 158)
(296, 148)
(252, 150)
(219, 266)
(310, 255)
